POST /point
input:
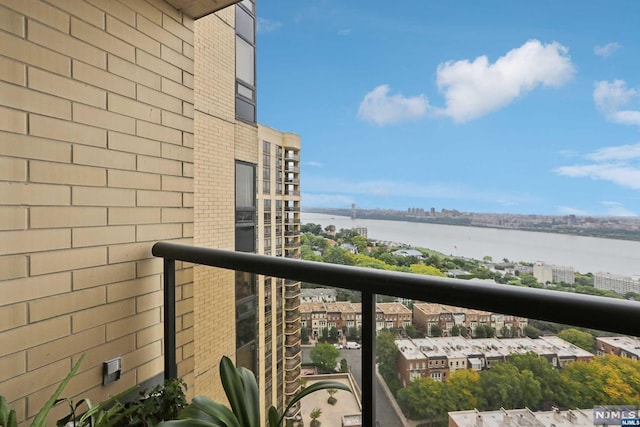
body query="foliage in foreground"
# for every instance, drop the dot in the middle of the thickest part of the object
(241, 390)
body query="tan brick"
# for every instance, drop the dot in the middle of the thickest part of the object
(133, 108)
(101, 315)
(65, 130)
(176, 58)
(14, 72)
(158, 132)
(126, 179)
(142, 355)
(103, 119)
(177, 90)
(187, 139)
(16, 145)
(159, 166)
(67, 216)
(149, 335)
(12, 366)
(63, 173)
(24, 99)
(13, 218)
(133, 288)
(30, 53)
(32, 335)
(96, 276)
(16, 242)
(177, 183)
(15, 193)
(12, 316)
(82, 10)
(187, 200)
(148, 11)
(41, 12)
(158, 66)
(90, 196)
(13, 267)
(149, 267)
(159, 99)
(187, 169)
(119, 216)
(187, 230)
(54, 306)
(187, 110)
(65, 347)
(84, 155)
(133, 144)
(26, 289)
(168, 10)
(129, 252)
(131, 324)
(177, 121)
(109, 350)
(158, 33)
(149, 301)
(11, 22)
(177, 215)
(158, 232)
(117, 9)
(66, 88)
(103, 79)
(13, 169)
(66, 45)
(188, 50)
(133, 72)
(98, 236)
(72, 259)
(131, 35)
(24, 384)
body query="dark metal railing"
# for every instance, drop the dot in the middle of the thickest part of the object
(607, 314)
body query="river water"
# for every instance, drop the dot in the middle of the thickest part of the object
(585, 254)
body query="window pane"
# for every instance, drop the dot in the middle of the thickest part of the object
(245, 183)
(245, 239)
(244, 61)
(245, 91)
(245, 111)
(248, 4)
(244, 24)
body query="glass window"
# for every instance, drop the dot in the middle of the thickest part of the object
(245, 110)
(245, 91)
(248, 4)
(245, 61)
(244, 25)
(245, 238)
(245, 183)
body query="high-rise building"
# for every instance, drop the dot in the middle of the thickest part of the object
(616, 283)
(124, 123)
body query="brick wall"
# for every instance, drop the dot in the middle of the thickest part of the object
(96, 164)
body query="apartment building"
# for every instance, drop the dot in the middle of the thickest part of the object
(318, 295)
(620, 346)
(546, 273)
(123, 123)
(436, 358)
(523, 417)
(616, 283)
(426, 315)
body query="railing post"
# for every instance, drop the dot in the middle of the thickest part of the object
(170, 365)
(368, 358)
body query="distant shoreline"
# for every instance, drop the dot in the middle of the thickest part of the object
(614, 234)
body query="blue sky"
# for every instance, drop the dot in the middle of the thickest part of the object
(491, 106)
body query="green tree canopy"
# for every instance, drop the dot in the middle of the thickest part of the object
(504, 385)
(325, 356)
(584, 340)
(423, 399)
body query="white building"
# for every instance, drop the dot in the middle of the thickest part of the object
(616, 283)
(546, 273)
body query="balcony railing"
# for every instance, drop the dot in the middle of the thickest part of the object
(600, 313)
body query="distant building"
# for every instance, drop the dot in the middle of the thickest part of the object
(361, 231)
(408, 252)
(522, 417)
(318, 295)
(349, 247)
(546, 273)
(616, 283)
(436, 358)
(619, 346)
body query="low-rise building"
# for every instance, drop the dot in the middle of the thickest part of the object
(620, 346)
(318, 295)
(547, 273)
(522, 417)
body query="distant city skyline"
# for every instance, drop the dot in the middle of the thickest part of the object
(494, 107)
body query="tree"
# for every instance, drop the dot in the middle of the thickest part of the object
(504, 385)
(412, 331)
(315, 414)
(463, 389)
(332, 400)
(386, 353)
(584, 340)
(304, 335)
(344, 367)
(532, 331)
(553, 394)
(337, 255)
(427, 270)
(325, 356)
(422, 399)
(325, 334)
(311, 228)
(455, 331)
(436, 330)
(333, 333)
(487, 258)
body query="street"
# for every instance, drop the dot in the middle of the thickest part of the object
(385, 415)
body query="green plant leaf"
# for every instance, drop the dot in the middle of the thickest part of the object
(251, 396)
(205, 409)
(274, 417)
(320, 385)
(234, 389)
(41, 419)
(189, 422)
(7, 415)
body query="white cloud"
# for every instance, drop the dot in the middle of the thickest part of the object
(314, 164)
(267, 25)
(607, 49)
(475, 88)
(383, 108)
(617, 209)
(612, 97)
(620, 152)
(344, 32)
(620, 174)
(566, 210)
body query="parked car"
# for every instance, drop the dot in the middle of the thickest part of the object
(338, 346)
(351, 345)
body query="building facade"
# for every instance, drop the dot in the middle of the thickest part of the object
(619, 346)
(546, 273)
(616, 283)
(123, 123)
